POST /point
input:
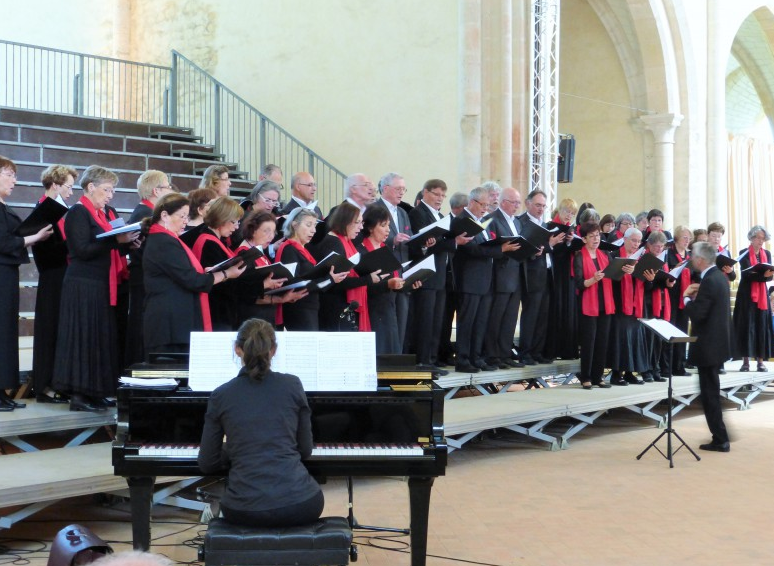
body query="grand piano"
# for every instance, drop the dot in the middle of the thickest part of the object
(388, 432)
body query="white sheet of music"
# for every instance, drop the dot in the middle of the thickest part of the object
(324, 361)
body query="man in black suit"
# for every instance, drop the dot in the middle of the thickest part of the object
(507, 289)
(303, 189)
(709, 307)
(392, 187)
(430, 298)
(535, 293)
(473, 271)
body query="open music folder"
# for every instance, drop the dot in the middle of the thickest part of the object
(666, 331)
(317, 358)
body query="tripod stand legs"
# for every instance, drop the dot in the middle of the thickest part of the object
(669, 453)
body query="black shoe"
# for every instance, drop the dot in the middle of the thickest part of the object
(632, 379)
(657, 377)
(7, 401)
(603, 385)
(105, 402)
(618, 381)
(6, 408)
(56, 398)
(543, 360)
(690, 366)
(466, 368)
(647, 378)
(80, 403)
(483, 366)
(682, 373)
(528, 361)
(716, 447)
(439, 371)
(427, 367)
(512, 363)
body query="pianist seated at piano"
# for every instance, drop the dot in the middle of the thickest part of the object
(176, 285)
(265, 417)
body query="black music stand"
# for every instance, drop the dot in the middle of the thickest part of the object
(669, 334)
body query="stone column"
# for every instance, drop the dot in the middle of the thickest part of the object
(663, 127)
(470, 94)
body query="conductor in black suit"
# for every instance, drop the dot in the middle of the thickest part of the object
(303, 189)
(709, 307)
(392, 187)
(473, 272)
(507, 289)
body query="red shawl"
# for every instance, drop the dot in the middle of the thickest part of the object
(205, 237)
(658, 303)
(119, 269)
(262, 261)
(685, 277)
(632, 295)
(204, 300)
(590, 301)
(304, 253)
(758, 288)
(359, 294)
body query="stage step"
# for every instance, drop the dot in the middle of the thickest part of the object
(48, 417)
(49, 475)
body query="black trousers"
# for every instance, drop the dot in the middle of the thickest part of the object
(709, 384)
(594, 333)
(501, 328)
(534, 322)
(471, 327)
(289, 516)
(427, 318)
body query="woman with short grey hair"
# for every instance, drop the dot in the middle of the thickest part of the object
(752, 309)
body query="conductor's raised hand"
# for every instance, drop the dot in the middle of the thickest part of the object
(691, 290)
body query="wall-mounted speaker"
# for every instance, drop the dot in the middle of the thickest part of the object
(566, 162)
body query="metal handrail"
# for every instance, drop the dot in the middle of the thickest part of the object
(68, 82)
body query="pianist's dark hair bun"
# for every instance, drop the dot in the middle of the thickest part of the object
(257, 340)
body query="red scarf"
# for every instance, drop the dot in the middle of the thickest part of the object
(685, 278)
(370, 247)
(301, 249)
(632, 296)
(205, 237)
(148, 203)
(359, 294)
(590, 301)
(758, 288)
(656, 296)
(204, 300)
(119, 269)
(262, 261)
(558, 220)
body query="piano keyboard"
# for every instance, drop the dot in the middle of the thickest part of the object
(333, 450)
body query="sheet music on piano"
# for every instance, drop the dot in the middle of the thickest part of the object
(324, 361)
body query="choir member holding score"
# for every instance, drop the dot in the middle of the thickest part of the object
(199, 201)
(677, 254)
(13, 252)
(595, 294)
(658, 305)
(752, 309)
(86, 363)
(51, 261)
(345, 224)
(299, 229)
(258, 230)
(176, 285)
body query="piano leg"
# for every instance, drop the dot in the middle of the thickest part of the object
(419, 503)
(140, 498)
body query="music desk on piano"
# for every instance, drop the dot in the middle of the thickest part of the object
(377, 433)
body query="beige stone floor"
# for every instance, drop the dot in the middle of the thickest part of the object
(509, 501)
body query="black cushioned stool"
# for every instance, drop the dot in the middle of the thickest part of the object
(326, 542)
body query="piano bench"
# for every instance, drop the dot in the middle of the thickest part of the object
(326, 542)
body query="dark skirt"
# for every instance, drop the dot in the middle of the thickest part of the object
(752, 328)
(9, 326)
(628, 345)
(47, 303)
(384, 322)
(263, 312)
(86, 359)
(562, 340)
(297, 317)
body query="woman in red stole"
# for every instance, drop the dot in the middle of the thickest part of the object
(86, 362)
(299, 229)
(258, 230)
(345, 224)
(51, 261)
(752, 310)
(658, 305)
(176, 285)
(677, 254)
(595, 293)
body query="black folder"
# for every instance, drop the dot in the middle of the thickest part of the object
(420, 273)
(564, 228)
(724, 260)
(614, 269)
(381, 258)
(646, 263)
(47, 212)
(323, 268)
(527, 250)
(465, 225)
(247, 256)
(279, 270)
(604, 245)
(535, 234)
(759, 268)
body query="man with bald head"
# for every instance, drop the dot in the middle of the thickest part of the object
(303, 190)
(506, 285)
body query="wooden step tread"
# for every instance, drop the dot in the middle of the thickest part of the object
(54, 474)
(47, 417)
